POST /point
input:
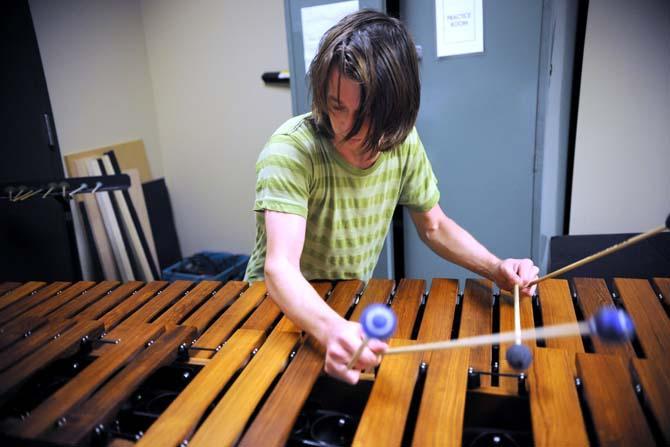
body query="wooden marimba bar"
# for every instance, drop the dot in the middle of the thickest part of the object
(245, 372)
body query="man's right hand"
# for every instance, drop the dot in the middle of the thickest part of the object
(342, 339)
(298, 300)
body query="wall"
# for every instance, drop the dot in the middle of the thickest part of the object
(214, 113)
(622, 152)
(95, 63)
(185, 78)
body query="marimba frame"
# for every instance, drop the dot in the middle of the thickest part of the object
(257, 370)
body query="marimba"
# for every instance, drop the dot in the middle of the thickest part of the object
(169, 364)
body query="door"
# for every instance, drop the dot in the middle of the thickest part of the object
(477, 121)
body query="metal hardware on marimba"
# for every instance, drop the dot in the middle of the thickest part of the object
(216, 364)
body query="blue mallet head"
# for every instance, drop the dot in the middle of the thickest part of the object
(378, 321)
(612, 325)
(519, 357)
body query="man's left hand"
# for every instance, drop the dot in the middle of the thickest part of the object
(516, 271)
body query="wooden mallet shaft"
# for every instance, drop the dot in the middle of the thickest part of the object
(609, 324)
(358, 353)
(517, 316)
(560, 330)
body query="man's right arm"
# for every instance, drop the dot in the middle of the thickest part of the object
(300, 302)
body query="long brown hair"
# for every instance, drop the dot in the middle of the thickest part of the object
(376, 51)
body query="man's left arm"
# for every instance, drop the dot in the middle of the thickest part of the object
(453, 243)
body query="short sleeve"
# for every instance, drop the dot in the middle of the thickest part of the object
(419, 185)
(282, 177)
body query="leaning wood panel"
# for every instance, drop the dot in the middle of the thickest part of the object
(272, 426)
(651, 323)
(593, 294)
(442, 408)
(221, 329)
(180, 419)
(655, 381)
(66, 344)
(554, 404)
(84, 384)
(615, 410)
(225, 423)
(390, 399)
(476, 320)
(557, 308)
(33, 300)
(101, 407)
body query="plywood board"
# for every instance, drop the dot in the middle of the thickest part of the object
(134, 237)
(130, 154)
(112, 227)
(100, 238)
(137, 196)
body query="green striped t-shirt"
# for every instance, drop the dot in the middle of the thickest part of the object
(348, 210)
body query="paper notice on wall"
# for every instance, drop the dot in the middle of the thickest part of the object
(316, 20)
(460, 27)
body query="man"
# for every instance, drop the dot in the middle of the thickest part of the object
(328, 182)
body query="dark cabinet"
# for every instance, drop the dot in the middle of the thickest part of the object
(36, 242)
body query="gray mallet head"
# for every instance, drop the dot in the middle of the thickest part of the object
(519, 357)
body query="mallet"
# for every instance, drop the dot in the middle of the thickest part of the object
(610, 324)
(377, 321)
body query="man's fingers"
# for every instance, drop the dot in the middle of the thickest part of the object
(528, 292)
(341, 372)
(527, 270)
(377, 346)
(341, 353)
(368, 359)
(510, 271)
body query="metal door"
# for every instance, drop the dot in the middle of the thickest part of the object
(477, 121)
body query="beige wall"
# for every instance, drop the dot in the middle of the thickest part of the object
(185, 78)
(97, 73)
(214, 113)
(622, 154)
